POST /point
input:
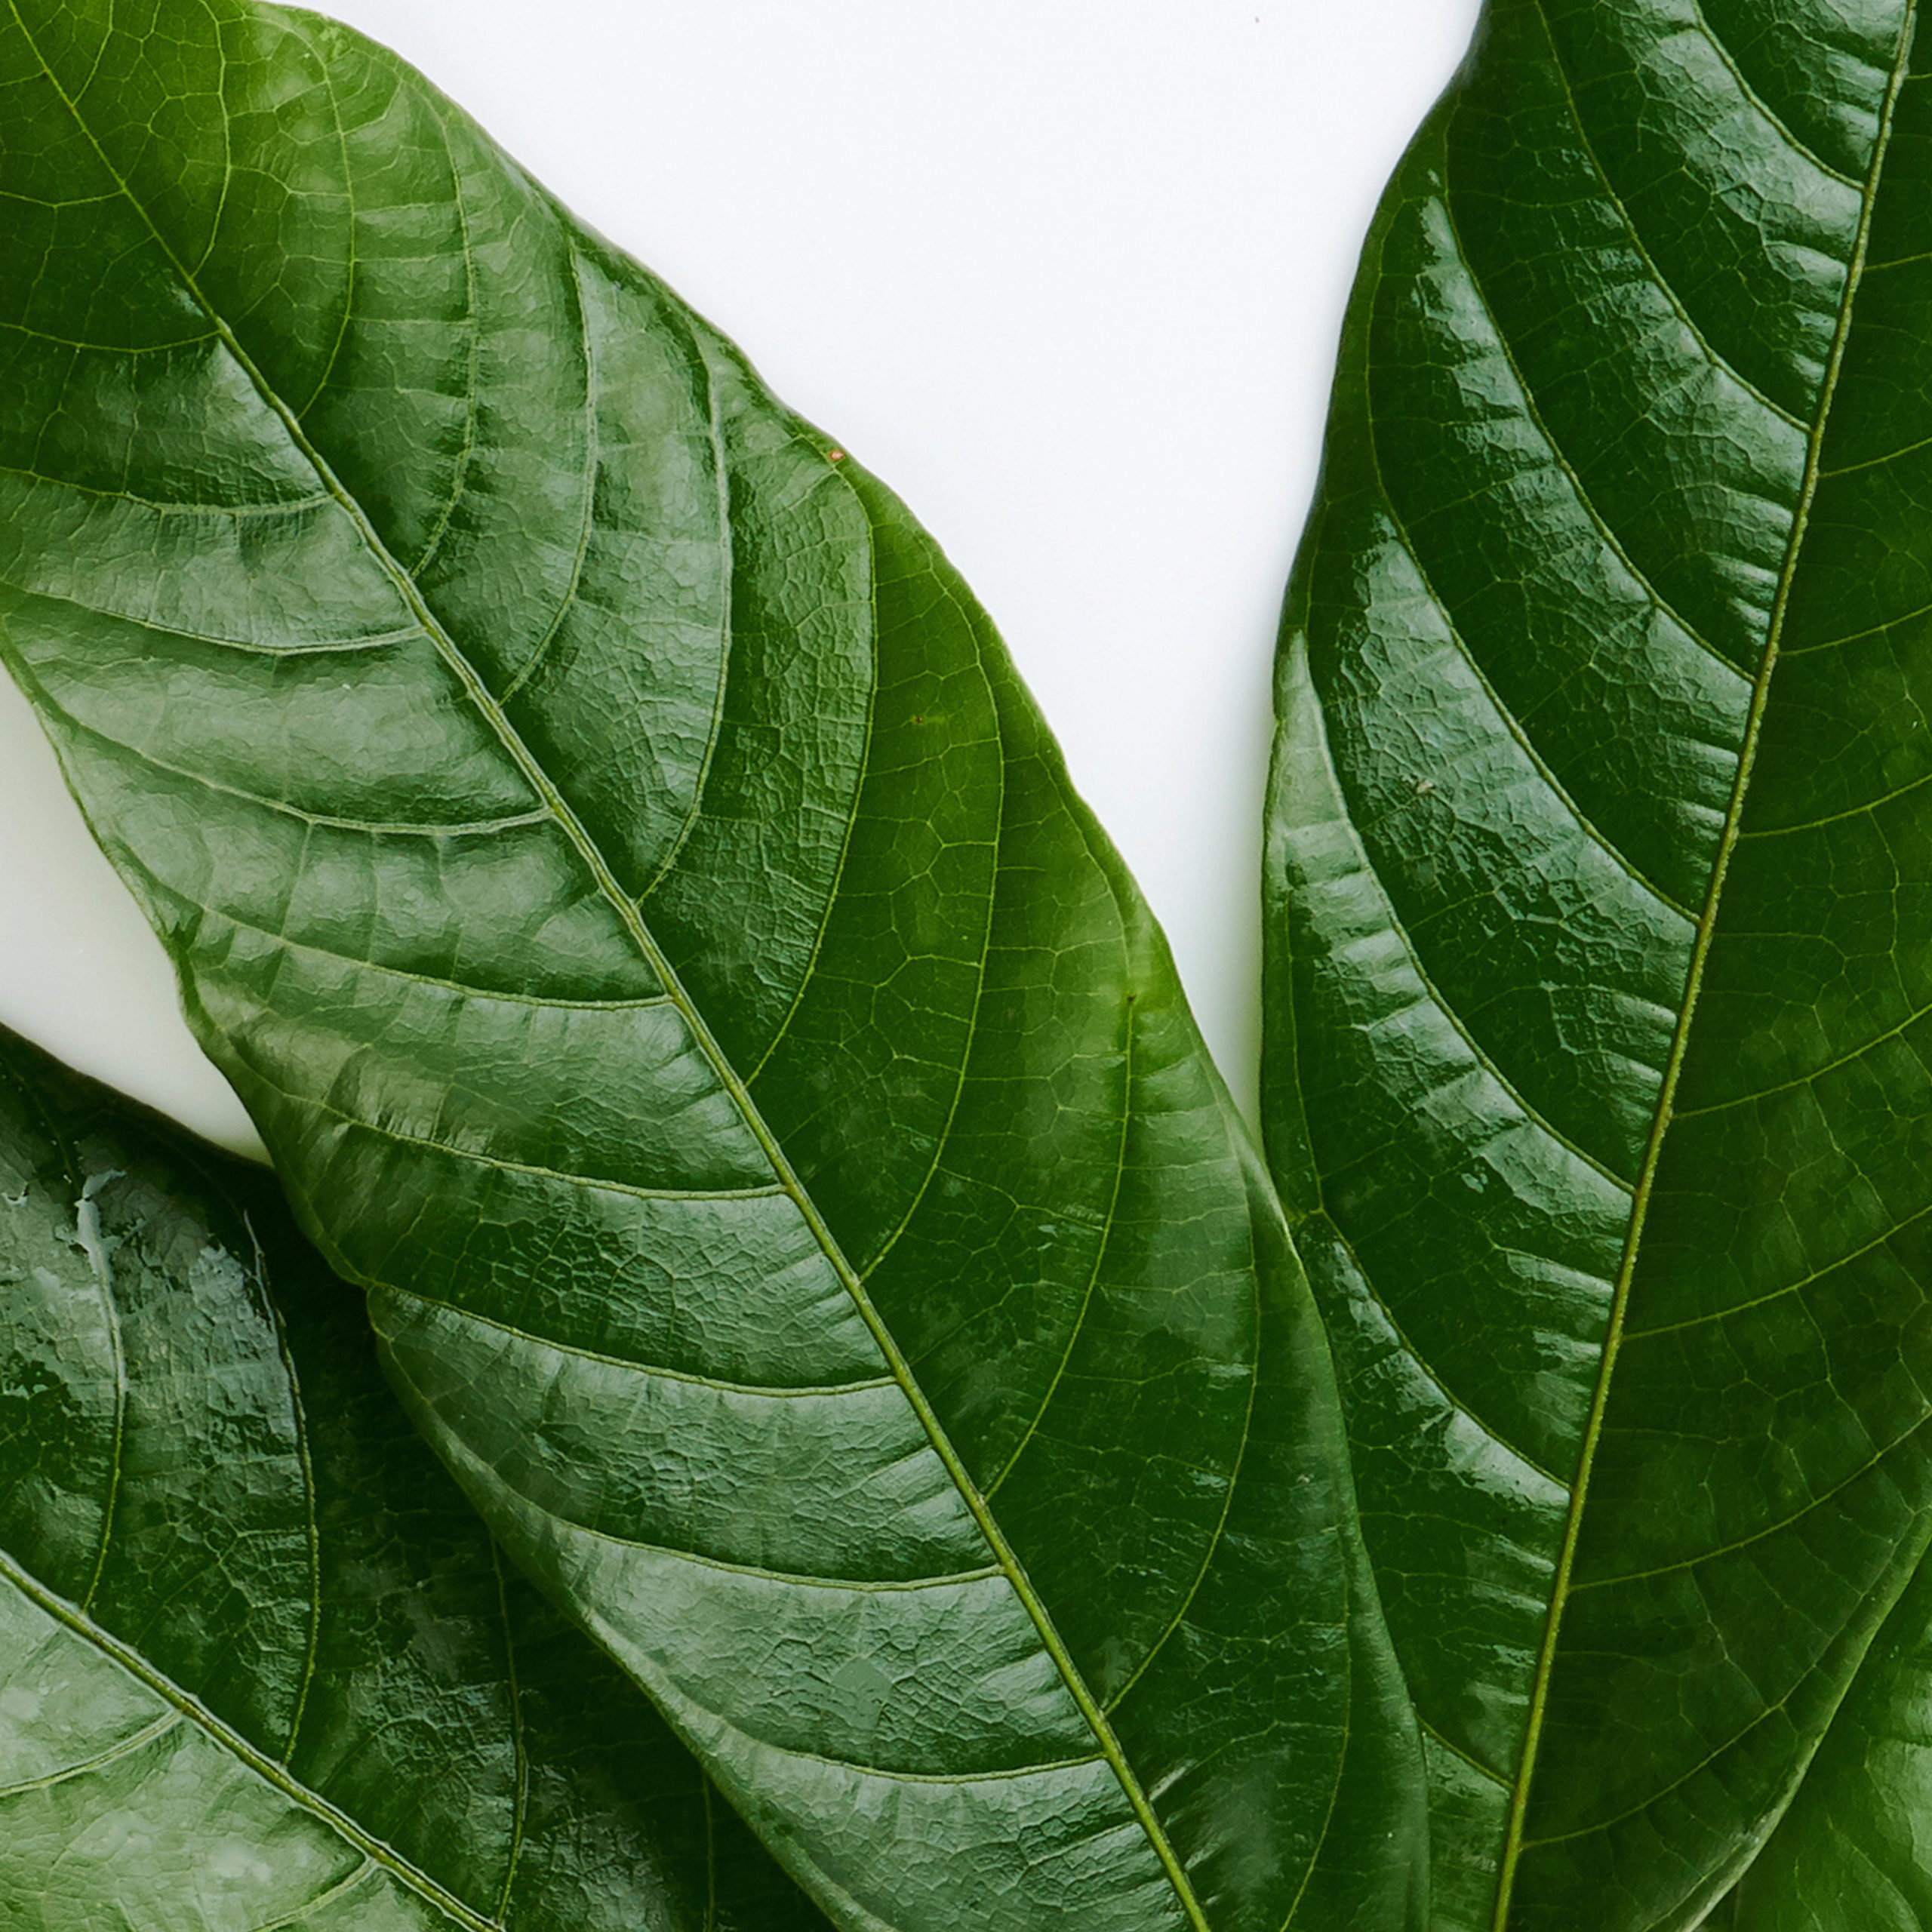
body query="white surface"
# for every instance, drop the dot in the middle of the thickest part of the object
(1067, 273)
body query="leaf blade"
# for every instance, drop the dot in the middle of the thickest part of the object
(1524, 673)
(702, 1030)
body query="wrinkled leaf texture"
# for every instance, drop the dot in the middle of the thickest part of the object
(260, 1663)
(613, 858)
(1600, 926)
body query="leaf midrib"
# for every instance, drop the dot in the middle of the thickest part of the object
(1513, 1843)
(593, 859)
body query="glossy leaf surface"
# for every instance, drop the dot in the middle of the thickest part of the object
(1854, 1852)
(613, 858)
(1600, 871)
(260, 1663)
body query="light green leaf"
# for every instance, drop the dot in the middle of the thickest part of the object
(260, 1664)
(612, 856)
(1601, 924)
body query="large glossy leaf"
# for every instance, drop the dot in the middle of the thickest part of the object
(613, 857)
(260, 1664)
(1601, 923)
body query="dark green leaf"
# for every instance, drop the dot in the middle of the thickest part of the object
(614, 858)
(1601, 924)
(260, 1664)
(1854, 1852)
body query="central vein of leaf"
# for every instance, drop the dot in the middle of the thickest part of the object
(594, 860)
(1706, 927)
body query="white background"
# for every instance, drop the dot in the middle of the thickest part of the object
(1067, 273)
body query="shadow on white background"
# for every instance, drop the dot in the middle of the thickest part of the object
(1067, 274)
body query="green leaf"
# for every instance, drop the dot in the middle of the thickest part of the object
(260, 1664)
(1854, 1852)
(1600, 924)
(614, 861)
